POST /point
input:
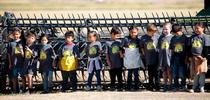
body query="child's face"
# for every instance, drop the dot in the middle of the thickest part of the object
(91, 37)
(16, 35)
(114, 36)
(199, 29)
(166, 29)
(151, 33)
(30, 39)
(69, 39)
(133, 33)
(44, 40)
(179, 33)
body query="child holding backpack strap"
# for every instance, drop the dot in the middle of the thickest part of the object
(69, 53)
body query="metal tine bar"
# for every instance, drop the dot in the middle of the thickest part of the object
(51, 24)
(43, 23)
(84, 20)
(16, 21)
(99, 23)
(70, 19)
(73, 18)
(43, 19)
(154, 18)
(28, 19)
(141, 24)
(22, 19)
(112, 20)
(164, 17)
(184, 23)
(155, 21)
(78, 30)
(50, 20)
(58, 24)
(37, 23)
(64, 22)
(191, 21)
(168, 16)
(92, 24)
(133, 19)
(198, 17)
(158, 19)
(105, 22)
(126, 20)
(206, 20)
(177, 21)
(146, 17)
(120, 23)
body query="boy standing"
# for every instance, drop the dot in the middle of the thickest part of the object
(149, 51)
(114, 58)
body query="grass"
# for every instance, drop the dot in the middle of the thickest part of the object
(92, 5)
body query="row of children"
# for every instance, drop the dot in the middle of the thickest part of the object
(169, 53)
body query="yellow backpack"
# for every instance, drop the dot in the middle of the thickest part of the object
(68, 63)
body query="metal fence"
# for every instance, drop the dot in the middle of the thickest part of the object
(57, 26)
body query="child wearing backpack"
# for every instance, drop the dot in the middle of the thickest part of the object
(47, 57)
(69, 54)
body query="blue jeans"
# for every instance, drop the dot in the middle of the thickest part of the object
(16, 71)
(179, 71)
(98, 77)
(47, 80)
(136, 78)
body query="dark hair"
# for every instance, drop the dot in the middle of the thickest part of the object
(94, 32)
(42, 36)
(29, 33)
(201, 24)
(176, 28)
(115, 30)
(133, 27)
(16, 29)
(151, 27)
(22, 35)
(69, 33)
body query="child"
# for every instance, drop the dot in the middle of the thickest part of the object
(149, 51)
(15, 58)
(93, 51)
(114, 58)
(132, 59)
(3, 68)
(178, 47)
(69, 53)
(199, 43)
(47, 57)
(165, 55)
(30, 55)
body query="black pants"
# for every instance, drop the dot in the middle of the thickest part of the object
(3, 83)
(154, 76)
(117, 72)
(73, 80)
(135, 73)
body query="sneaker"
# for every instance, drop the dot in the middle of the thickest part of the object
(202, 90)
(191, 91)
(99, 88)
(165, 88)
(87, 88)
(112, 89)
(45, 92)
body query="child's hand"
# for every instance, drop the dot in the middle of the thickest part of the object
(54, 65)
(109, 64)
(10, 66)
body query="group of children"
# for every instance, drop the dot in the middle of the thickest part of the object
(169, 53)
